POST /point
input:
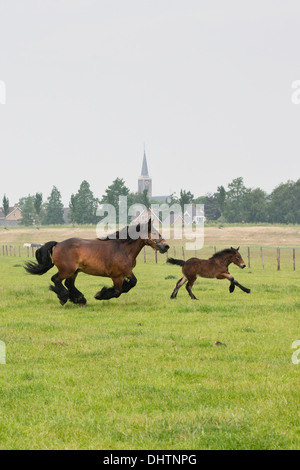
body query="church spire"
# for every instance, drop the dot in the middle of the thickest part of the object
(145, 182)
(145, 172)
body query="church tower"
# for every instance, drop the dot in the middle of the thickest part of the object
(145, 182)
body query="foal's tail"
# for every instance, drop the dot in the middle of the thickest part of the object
(180, 262)
(44, 260)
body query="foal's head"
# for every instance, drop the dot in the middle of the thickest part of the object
(236, 258)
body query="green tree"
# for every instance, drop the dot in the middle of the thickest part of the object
(28, 211)
(211, 207)
(139, 198)
(284, 204)
(83, 205)
(186, 197)
(38, 202)
(200, 200)
(172, 199)
(54, 209)
(114, 191)
(5, 203)
(72, 206)
(235, 201)
(255, 206)
(221, 199)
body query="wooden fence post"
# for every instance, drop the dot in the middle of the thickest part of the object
(294, 259)
(145, 255)
(183, 253)
(278, 259)
(249, 258)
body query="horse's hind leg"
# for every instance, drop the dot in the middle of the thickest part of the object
(177, 287)
(61, 292)
(189, 288)
(76, 296)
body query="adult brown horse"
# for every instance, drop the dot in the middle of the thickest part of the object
(214, 267)
(113, 256)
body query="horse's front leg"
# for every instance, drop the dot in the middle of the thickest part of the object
(129, 284)
(233, 283)
(107, 293)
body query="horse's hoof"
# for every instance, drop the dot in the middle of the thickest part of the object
(99, 295)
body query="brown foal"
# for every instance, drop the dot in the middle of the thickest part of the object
(214, 267)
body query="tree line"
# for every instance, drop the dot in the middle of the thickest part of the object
(234, 204)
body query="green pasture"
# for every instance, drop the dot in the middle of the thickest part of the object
(147, 372)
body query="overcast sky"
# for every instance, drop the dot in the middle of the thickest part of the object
(205, 85)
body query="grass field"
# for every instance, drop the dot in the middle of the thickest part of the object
(144, 371)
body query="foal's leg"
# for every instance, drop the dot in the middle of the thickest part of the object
(177, 287)
(76, 296)
(107, 293)
(244, 289)
(233, 283)
(189, 288)
(61, 292)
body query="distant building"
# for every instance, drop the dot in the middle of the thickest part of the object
(144, 216)
(144, 181)
(13, 216)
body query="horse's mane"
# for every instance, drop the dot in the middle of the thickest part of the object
(123, 236)
(221, 253)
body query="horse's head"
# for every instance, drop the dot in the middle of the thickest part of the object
(155, 239)
(236, 258)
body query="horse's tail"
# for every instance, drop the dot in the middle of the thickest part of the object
(44, 260)
(180, 262)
